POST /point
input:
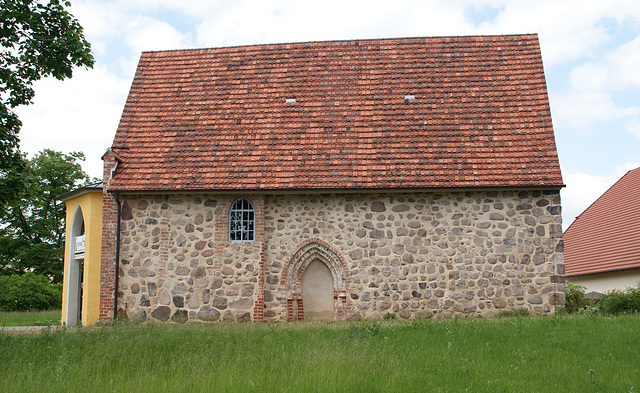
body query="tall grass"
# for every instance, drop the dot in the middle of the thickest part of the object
(566, 354)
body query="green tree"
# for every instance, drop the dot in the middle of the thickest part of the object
(37, 39)
(32, 225)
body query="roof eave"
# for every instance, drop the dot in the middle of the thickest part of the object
(602, 272)
(340, 190)
(94, 187)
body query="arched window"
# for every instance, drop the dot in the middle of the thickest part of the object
(242, 220)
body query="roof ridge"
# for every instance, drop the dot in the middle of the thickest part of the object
(530, 35)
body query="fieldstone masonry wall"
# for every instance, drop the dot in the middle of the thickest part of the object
(177, 263)
(471, 253)
(411, 254)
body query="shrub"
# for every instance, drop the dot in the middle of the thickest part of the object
(575, 299)
(621, 302)
(29, 292)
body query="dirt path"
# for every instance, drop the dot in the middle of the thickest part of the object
(27, 329)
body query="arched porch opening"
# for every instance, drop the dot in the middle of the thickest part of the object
(73, 315)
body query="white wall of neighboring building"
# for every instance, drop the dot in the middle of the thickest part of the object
(604, 282)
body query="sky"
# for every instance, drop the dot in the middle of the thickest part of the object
(590, 50)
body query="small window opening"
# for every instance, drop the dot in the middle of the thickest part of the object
(242, 221)
(291, 101)
(409, 97)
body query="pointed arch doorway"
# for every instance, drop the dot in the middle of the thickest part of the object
(73, 315)
(316, 280)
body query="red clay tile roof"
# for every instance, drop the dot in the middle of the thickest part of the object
(606, 236)
(218, 119)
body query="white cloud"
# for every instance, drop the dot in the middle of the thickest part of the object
(564, 35)
(588, 110)
(590, 99)
(633, 126)
(80, 114)
(616, 71)
(120, 30)
(623, 64)
(147, 34)
(568, 29)
(294, 21)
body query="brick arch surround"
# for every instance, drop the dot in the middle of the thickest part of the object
(295, 267)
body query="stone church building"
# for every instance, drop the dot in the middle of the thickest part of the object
(325, 180)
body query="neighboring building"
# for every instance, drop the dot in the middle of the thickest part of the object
(334, 180)
(602, 246)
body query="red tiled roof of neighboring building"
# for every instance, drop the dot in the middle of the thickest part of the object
(218, 119)
(606, 236)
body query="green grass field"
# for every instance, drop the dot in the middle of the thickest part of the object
(551, 354)
(30, 318)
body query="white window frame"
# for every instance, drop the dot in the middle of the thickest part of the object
(242, 221)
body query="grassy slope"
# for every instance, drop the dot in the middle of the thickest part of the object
(516, 355)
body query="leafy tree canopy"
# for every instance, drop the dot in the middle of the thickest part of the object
(32, 225)
(37, 39)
